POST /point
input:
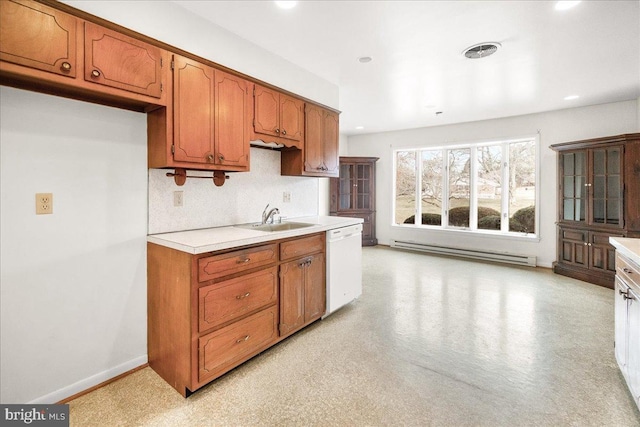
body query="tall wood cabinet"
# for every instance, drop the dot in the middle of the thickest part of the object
(598, 198)
(353, 194)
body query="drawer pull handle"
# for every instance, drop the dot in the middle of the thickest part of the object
(243, 296)
(243, 261)
(627, 270)
(246, 337)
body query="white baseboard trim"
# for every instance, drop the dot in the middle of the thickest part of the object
(87, 383)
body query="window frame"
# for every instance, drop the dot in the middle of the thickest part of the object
(445, 228)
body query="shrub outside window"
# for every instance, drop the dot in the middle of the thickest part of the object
(485, 187)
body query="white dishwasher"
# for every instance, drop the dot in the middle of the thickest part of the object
(344, 266)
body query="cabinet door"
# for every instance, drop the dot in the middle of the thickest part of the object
(602, 256)
(291, 118)
(574, 186)
(232, 110)
(37, 36)
(115, 60)
(313, 144)
(363, 186)
(606, 187)
(620, 310)
(291, 296)
(330, 142)
(633, 351)
(193, 111)
(266, 104)
(347, 187)
(573, 247)
(315, 291)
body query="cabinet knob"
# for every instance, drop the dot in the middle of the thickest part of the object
(210, 157)
(587, 185)
(284, 132)
(65, 66)
(221, 157)
(95, 73)
(277, 130)
(627, 270)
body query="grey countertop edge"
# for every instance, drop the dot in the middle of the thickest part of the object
(628, 247)
(219, 238)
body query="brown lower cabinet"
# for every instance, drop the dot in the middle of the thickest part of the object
(209, 313)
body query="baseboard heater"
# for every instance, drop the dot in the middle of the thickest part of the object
(526, 260)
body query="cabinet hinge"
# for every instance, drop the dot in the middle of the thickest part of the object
(173, 64)
(161, 62)
(173, 149)
(161, 87)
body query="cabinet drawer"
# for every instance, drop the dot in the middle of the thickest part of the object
(628, 270)
(222, 265)
(300, 247)
(575, 235)
(231, 299)
(231, 345)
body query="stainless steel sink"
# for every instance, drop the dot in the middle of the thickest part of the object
(275, 227)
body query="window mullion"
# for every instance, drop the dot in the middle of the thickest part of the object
(445, 188)
(506, 189)
(473, 190)
(418, 217)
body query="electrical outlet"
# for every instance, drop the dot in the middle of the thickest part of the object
(286, 197)
(178, 198)
(44, 203)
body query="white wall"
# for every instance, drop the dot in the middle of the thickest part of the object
(555, 127)
(73, 284)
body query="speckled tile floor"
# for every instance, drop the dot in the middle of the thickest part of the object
(433, 341)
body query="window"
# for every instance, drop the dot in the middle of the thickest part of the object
(484, 187)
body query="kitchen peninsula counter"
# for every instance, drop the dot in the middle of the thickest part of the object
(219, 238)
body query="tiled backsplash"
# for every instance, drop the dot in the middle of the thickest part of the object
(241, 199)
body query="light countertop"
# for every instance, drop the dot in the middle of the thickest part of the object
(219, 238)
(628, 247)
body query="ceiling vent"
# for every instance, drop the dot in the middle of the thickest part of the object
(481, 50)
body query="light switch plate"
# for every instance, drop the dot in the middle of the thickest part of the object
(44, 203)
(286, 197)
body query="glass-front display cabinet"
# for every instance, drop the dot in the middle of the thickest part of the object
(599, 185)
(353, 194)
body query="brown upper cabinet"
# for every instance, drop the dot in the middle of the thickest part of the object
(44, 49)
(211, 115)
(320, 154)
(115, 60)
(277, 117)
(39, 37)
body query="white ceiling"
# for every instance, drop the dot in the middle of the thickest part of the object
(592, 50)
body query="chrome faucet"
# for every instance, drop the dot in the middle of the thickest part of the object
(267, 217)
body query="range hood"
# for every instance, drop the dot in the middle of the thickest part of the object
(270, 145)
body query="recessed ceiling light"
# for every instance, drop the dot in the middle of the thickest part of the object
(564, 5)
(571, 97)
(359, 127)
(481, 50)
(365, 59)
(286, 4)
